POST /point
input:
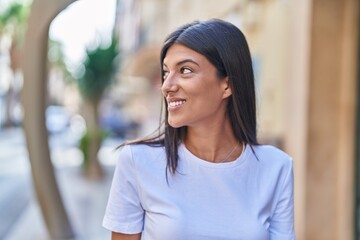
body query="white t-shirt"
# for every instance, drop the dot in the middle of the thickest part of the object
(249, 198)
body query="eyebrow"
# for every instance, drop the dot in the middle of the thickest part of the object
(184, 61)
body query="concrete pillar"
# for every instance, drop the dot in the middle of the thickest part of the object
(320, 123)
(331, 120)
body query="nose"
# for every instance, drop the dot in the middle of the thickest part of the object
(169, 85)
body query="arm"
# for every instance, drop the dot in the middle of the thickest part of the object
(121, 236)
(124, 213)
(282, 221)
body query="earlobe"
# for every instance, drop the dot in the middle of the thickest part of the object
(227, 92)
(227, 89)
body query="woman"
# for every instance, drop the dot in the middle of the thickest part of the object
(205, 177)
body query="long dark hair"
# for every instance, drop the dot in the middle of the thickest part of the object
(225, 46)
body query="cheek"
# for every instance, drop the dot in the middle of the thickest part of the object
(209, 95)
(207, 104)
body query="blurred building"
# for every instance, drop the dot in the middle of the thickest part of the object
(305, 55)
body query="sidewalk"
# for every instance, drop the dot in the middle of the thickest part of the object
(85, 200)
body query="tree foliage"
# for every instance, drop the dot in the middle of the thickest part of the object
(99, 68)
(13, 19)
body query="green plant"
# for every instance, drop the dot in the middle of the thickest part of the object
(99, 68)
(84, 146)
(13, 19)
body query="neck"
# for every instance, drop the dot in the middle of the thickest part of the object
(214, 144)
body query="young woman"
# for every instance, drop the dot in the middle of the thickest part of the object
(205, 177)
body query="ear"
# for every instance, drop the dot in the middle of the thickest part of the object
(226, 88)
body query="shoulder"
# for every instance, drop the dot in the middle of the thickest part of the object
(275, 168)
(139, 154)
(271, 153)
(273, 158)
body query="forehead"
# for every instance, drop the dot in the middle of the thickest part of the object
(178, 52)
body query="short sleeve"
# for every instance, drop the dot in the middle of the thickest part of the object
(124, 213)
(282, 220)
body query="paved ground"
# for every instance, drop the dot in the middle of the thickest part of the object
(85, 203)
(85, 200)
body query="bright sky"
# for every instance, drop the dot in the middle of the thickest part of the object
(83, 23)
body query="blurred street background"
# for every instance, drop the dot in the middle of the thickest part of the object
(78, 78)
(20, 216)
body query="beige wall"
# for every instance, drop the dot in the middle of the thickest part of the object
(269, 44)
(296, 104)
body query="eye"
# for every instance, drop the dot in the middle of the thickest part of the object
(165, 74)
(185, 70)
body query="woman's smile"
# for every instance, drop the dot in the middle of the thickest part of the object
(175, 103)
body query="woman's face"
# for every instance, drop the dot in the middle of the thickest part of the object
(196, 96)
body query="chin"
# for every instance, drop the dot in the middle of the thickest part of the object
(175, 124)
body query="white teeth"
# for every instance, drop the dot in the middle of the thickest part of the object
(176, 103)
